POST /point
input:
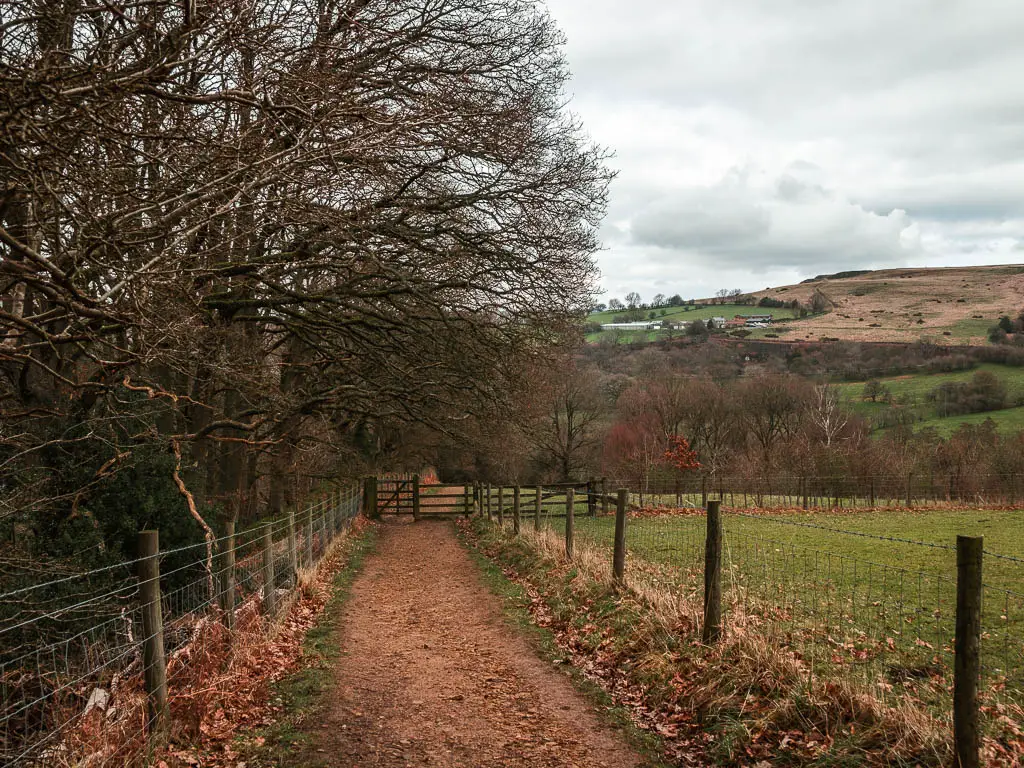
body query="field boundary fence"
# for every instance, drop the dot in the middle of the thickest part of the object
(95, 666)
(949, 638)
(912, 488)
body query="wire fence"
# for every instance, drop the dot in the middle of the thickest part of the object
(912, 488)
(74, 681)
(876, 609)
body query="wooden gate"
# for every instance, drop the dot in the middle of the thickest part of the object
(395, 496)
(407, 496)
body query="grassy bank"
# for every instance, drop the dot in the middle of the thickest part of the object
(747, 700)
(517, 602)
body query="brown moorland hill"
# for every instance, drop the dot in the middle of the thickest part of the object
(948, 305)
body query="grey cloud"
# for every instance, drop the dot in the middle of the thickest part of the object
(872, 133)
(785, 224)
(702, 220)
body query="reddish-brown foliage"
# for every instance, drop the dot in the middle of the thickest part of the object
(679, 454)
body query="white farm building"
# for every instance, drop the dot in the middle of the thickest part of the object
(642, 325)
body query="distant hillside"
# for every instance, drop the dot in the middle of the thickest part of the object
(955, 305)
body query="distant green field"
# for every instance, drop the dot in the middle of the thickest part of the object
(969, 328)
(701, 312)
(728, 311)
(917, 386)
(1007, 421)
(912, 391)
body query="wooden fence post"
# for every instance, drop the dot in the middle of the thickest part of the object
(227, 575)
(703, 491)
(570, 522)
(515, 510)
(269, 597)
(293, 547)
(487, 503)
(501, 506)
(465, 501)
(153, 659)
(604, 496)
(619, 558)
(591, 497)
(537, 502)
(415, 497)
(967, 651)
(713, 574)
(309, 537)
(370, 488)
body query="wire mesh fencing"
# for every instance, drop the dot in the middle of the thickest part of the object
(876, 610)
(75, 675)
(923, 488)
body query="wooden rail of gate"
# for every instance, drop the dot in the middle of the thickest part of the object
(408, 496)
(395, 496)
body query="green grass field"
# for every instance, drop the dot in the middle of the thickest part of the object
(1006, 421)
(701, 312)
(884, 607)
(915, 387)
(911, 391)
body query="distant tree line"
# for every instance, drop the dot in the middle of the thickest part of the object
(756, 412)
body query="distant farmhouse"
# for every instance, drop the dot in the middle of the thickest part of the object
(666, 325)
(641, 325)
(752, 321)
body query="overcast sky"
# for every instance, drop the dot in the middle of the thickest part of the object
(759, 142)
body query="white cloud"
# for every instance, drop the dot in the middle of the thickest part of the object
(870, 134)
(749, 222)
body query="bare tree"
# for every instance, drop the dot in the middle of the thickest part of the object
(772, 407)
(266, 235)
(569, 409)
(826, 414)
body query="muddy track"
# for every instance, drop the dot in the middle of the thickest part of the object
(431, 675)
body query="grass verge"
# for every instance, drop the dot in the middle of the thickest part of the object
(518, 605)
(743, 702)
(299, 696)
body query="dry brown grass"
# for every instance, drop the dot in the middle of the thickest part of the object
(749, 678)
(218, 681)
(905, 305)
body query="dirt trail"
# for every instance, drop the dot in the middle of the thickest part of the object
(431, 676)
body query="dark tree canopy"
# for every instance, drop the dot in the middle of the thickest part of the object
(259, 235)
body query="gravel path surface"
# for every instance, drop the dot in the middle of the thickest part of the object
(432, 676)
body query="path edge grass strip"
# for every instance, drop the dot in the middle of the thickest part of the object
(302, 694)
(515, 602)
